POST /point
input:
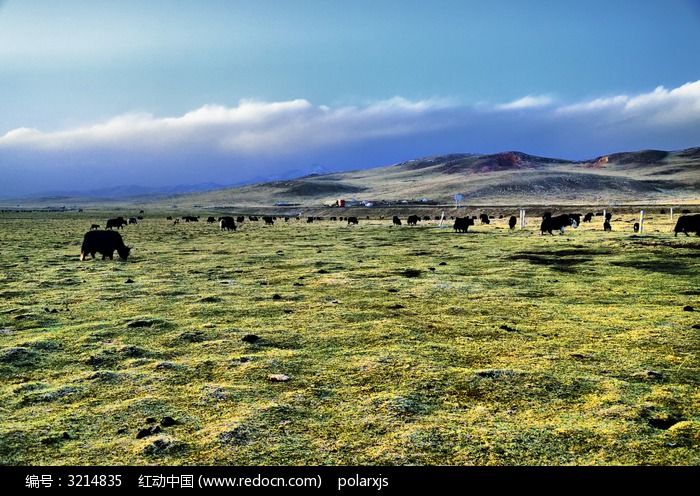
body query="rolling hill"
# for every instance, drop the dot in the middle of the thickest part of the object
(508, 178)
(503, 178)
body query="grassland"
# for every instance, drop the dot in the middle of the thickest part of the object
(401, 345)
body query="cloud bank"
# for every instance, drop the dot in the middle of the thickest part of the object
(257, 140)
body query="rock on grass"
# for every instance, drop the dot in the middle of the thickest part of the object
(277, 378)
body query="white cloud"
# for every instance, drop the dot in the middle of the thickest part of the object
(527, 102)
(251, 127)
(258, 140)
(664, 107)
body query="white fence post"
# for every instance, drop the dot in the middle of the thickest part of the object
(641, 221)
(671, 214)
(442, 218)
(522, 218)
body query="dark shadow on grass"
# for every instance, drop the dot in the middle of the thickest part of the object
(560, 260)
(662, 266)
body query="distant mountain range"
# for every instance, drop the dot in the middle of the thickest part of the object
(501, 178)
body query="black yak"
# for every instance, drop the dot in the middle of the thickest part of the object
(132, 220)
(211, 220)
(686, 224)
(396, 221)
(588, 217)
(268, 220)
(117, 222)
(353, 220)
(512, 221)
(560, 222)
(607, 226)
(484, 219)
(227, 224)
(240, 219)
(94, 226)
(462, 224)
(636, 227)
(412, 220)
(105, 242)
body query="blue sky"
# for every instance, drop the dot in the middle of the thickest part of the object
(231, 91)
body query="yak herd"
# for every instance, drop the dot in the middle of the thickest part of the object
(108, 241)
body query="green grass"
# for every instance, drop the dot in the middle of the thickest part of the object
(521, 349)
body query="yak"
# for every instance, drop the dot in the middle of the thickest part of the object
(686, 224)
(353, 220)
(462, 224)
(412, 220)
(396, 220)
(588, 217)
(94, 227)
(268, 220)
(512, 221)
(117, 222)
(484, 219)
(211, 220)
(607, 226)
(105, 242)
(227, 224)
(132, 220)
(560, 222)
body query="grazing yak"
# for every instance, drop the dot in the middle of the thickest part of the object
(240, 219)
(309, 220)
(105, 242)
(227, 223)
(117, 222)
(484, 219)
(412, 220)
(132, 220)
(576, 218)
(190, 218)
(608, 216)
(588, 217)
(462, 224)
(268, 220)
(94, 226)
(560, 222)
(636, 227)
(607, 226)
(512, 221)
(425, 217)
(396, 221)
(686, 224)
(353, 220)
(211, 220)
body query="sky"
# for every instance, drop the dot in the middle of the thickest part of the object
(104, 93)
